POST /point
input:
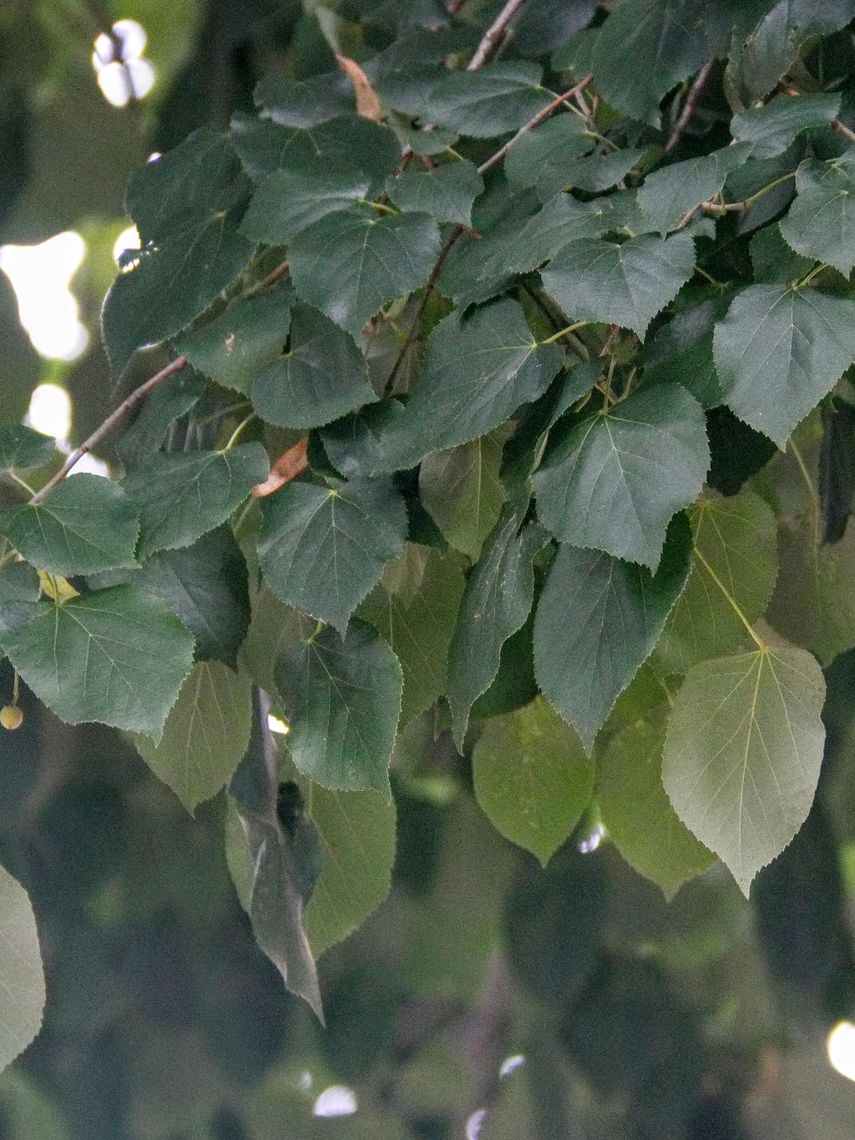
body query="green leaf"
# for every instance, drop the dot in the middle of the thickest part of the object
(627, 284)
(646, 47)
(19, 593)
(547, 148)
(417, 616)
(773, 260)
(614, 480)
(497, 98)
(771, 128)
(187, 205)
(349, 264)
(445, 192)
(366, 441)
(668, 195)
(234, 347)
(737, 539)
(532, 778)
(181, 497)
(322, 549)
(85, 524)
(591, 173)
(461, 491)
(305, 102)
(347, 140)
(205, 734)
(637, 814)
(21, 447)
(821, 221)
(476, 373)
(288, 201)
(814, 599)
(619, 610)
(743, 752)
(320, 378)
(22, 982)
(357, 839)
(779, 350)
(495, 605)
(681, 352)
(116, 656)
(162, 407)
(342, 697)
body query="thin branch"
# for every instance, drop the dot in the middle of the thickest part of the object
(107, 426)
(533, 122)
(691, 104)
(494, 35)
(272, 277)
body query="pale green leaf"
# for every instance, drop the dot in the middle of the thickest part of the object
(614, 480)
(205, 734)
(85, 524)
(22, 983)
(182, 496)
(618, 611)
(624, 284)
(349, 264)
(779, 350)
(321, 377)
(736, 537)
(532, 778)
(116, 656)
(821, 221)
(461, 491)
(323, 548)
(342, 697)
(743, 752)
(637, 813)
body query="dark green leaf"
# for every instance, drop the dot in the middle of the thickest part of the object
(205, 735)
(322, 548)
(619, 610)
(461, 491)
(499, 97)
(187, 206)
(736, 547)
(85, 524)
(159, 412)
(771, 128)
(614, 480)
(237, 344)
(779, 350)
(682, 352)
(305, 102)
(288, 201)
(342, 697)
(19, 593)
(821, 221)
(350, 264)
(743, 752)
(417, 615)
(547, 148)
(22, 983)
(445, 192)
(495, 605)
(532, 778)
(181, 497)
(625, 284)
(638, 815)
(593, 173)
(321, 377)
(836, 469)
(21, 447)
(773, 260)
(123, 653)
(668, 195)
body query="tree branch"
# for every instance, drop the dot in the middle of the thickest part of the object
(98, 434)
(494, 35)
(691, 104)
(533, 122)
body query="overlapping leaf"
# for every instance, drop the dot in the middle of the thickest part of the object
(669, 194)
(770, 129)
(821, 221)
(288, 201)
(461, 491)
(445, 192)
(21, 447)
(496, 98)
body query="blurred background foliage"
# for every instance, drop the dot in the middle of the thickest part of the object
(486, 997)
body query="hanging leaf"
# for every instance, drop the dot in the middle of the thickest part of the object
(743, 751)
(619, 610)
(205, 735)
(22, 994)
(613, 481)
(323, 548)
(532, 778)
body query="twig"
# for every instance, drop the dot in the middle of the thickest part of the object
(533, 122)
(272, 277)
(691, 104)
(288, 466)
(98, 434)
(842, 129)
(494, 35)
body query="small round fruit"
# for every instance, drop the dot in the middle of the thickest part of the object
(11, 717)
